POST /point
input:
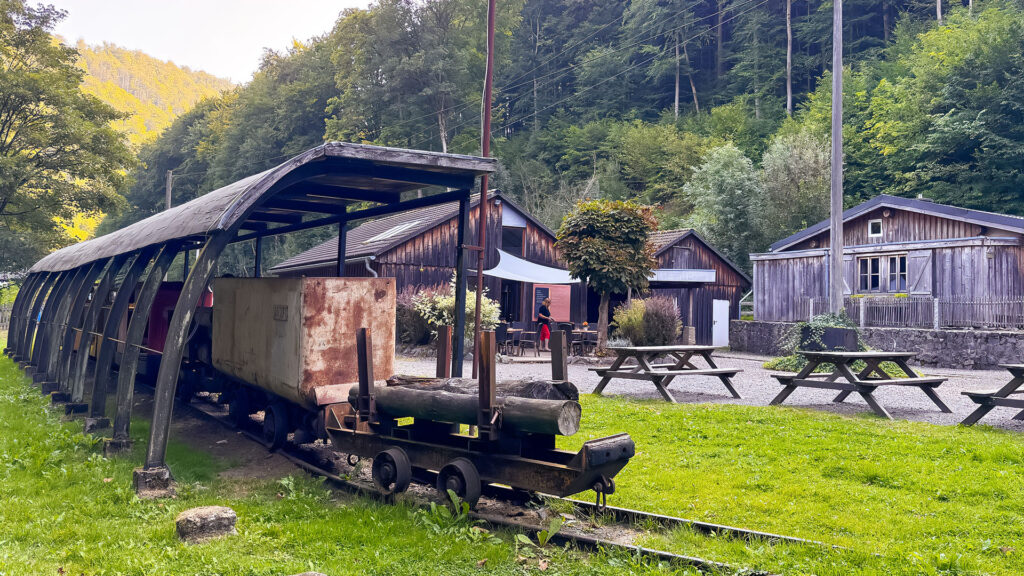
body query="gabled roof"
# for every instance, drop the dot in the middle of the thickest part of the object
(1005, 222)
(376, 237)
(665, 239)
(363, 172)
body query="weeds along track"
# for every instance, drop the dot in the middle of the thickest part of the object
(589, 526)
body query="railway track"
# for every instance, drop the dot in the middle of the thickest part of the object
(606, 515)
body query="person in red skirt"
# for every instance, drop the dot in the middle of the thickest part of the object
(544, 319)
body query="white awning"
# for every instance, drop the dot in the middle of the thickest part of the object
(679, 275)
(510, 267)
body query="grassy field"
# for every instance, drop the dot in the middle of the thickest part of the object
(905, 497)
(64, 509)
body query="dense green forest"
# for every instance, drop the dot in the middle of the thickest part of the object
(716, 111)
(679, 103)
(151, 92)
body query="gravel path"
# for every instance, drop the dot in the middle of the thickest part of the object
(758, 388)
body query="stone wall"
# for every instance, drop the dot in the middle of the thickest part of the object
(970, 349)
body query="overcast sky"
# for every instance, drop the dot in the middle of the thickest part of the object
(223, 37)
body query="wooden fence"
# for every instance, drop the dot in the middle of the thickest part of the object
(5, 316)
(927, 312)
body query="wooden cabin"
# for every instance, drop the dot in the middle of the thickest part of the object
(906, 248)
(706, 285)
(521, 265)
(417, 249)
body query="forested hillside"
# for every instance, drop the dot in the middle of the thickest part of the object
(152, 92)
(687, 104)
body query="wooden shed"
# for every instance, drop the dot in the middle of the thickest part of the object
(416, 249)
(909, 249)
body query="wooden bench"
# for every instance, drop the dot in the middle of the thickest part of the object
(662, 374)
(864, 383)
(987, 400)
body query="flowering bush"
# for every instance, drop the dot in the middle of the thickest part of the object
(438, 309)
(410, 326)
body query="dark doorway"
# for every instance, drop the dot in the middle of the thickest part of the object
(511, 300)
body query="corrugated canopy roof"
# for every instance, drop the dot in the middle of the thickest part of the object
(323, 180)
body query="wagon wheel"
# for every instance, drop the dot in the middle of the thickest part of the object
(275, 425)
(239, 407)
(460, 476)
(392, 471)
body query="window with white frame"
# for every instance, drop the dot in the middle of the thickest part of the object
(875, 228)
(898, 273)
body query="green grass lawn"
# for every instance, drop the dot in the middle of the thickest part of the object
(926, 499)
(64, 509)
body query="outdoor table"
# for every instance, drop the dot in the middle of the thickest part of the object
(989, 400)
(661, 375)
(865, 382)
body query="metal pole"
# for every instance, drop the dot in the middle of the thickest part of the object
(459, 335)
(168, 184)
(485, 151)
(836, 267)
(342, 247)
(257, 270)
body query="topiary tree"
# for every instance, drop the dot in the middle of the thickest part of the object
(605, 244)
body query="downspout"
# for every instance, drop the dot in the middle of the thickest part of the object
(366, 263)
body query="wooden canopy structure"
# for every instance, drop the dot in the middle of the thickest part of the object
(61, 299)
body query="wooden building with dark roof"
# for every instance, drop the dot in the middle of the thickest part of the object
(902, 247)
(521, 264)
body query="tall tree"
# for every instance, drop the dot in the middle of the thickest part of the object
(59, 156)
(606, 243)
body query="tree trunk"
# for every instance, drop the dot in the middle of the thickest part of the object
(442, 128)
(689, 74)
(938, 11)
(789, 57)
(719, 39)
(885, 21)
(602, 322)
(555, 417)
(535, 388)
(676, 102)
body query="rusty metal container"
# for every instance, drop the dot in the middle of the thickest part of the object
(296, 337)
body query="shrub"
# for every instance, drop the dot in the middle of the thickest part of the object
(650, 322)
(410, 326)
(793, 341)
(438, 309)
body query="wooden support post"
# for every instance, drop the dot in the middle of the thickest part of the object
(91, 325)
(444, 352)
(136, 329)
(60, 322)
(40, 353)
(863, 312)
(25, 293)
(107, 345)
(174, 346)
(486, 424)
(257, 268)
(559, 356)
(936, 320)
(28, 337)
(364, 366)
(74, 322)
(342, 247)
(459, 335)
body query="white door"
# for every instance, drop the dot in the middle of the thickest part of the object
(720, 323)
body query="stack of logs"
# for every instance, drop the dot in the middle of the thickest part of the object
(532, 406)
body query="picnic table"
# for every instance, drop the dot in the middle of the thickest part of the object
(661, 375)
(864, 382)
(1001, 397)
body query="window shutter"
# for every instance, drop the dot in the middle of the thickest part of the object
(919, 272)
(849, 273)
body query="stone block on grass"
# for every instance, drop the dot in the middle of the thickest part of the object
(204, 523)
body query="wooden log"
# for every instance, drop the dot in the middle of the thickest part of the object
(535, 388)
(528, 415)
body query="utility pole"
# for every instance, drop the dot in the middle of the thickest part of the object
(485, 151)
(836, 266)
(167, 186)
